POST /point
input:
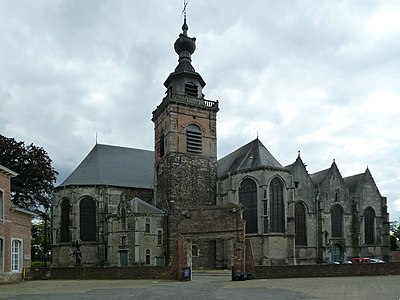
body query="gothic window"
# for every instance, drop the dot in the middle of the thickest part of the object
(195, 251)
(277, 209)
(65, 221)
(369, 226)
(337, 221)
(194, 139)
(248, 198)
(16, 255)
(300, 224)
(87, 219)
(337, 253)
(1, 205)
(336, 196)
(191, 89)
(123, 218)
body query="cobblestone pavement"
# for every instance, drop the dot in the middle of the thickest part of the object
(209, 287)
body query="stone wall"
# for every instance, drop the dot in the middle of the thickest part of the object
(261, 272)
(101, 273)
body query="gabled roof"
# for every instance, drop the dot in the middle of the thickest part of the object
(319, 176)
(7, 172)
(353, 181)
(250, 156)
(142, 207)
(114, 166)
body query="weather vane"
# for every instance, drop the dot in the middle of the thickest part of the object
(185, 3)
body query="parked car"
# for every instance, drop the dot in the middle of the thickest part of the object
(360, 260)
(376, 261)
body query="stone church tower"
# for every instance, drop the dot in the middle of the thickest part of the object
(185, 136)
(185, 141)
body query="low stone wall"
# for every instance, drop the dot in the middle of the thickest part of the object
(100, 273)
(265, 272)
(10, 277)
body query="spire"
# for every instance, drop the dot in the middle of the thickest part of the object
(185, 46)
(184, 72)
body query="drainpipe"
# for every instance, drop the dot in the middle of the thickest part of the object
(317, 227)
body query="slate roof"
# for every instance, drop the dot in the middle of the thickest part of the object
(114, 166)
(142, 207)
(319, 176)
(353, 181)
(249, 156)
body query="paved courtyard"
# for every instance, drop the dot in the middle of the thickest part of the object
(209, 287)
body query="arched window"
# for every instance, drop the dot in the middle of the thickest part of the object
(195, 251)
(191, 89)
(148, 257)
(277, 209)
(65, 221)
(123, 218)
(300, 224)
(369, 226)
(194, 139)
(87, 219)
(16, 255)
(248, 198)
(337, 221)
(337, 253)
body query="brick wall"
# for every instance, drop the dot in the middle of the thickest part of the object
(15, 225)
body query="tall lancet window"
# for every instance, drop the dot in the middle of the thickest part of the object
(123, 218)
(87, 220)
(194, 139)
(337, 221)
(300, 224)
(369, 226)
(277, 208)
(65, 221)
(248, 198)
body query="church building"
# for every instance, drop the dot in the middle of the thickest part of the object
(178, 205)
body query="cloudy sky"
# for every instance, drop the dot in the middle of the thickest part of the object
(322, 77)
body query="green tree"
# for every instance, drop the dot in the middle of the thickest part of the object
(40, 250)
(394, 235)
(32, 188)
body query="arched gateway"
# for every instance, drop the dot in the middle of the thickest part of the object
(219, 224)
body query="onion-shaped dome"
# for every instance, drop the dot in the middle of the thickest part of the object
(185, 43)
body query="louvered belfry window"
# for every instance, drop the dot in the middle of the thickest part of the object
(194, 139)
(191, 89)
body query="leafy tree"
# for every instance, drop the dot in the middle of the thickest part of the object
(40, 250)
(32, 188)
(394, 234)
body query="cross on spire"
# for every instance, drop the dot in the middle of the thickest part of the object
(185, 3)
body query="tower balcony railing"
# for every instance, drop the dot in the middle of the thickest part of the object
(190, 100)
(186, 100)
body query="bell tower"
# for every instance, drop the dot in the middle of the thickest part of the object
(185, 136)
